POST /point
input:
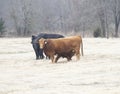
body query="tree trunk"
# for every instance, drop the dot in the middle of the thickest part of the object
(116, 30)
(117, 20)
(103, 28)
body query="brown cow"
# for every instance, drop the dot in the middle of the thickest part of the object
(65, 47)
(67, 55)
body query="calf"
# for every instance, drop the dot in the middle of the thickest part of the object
(67, 55)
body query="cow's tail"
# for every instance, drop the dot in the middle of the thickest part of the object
(82, 48)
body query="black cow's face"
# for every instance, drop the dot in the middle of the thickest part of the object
(35, 45)
(33, 39)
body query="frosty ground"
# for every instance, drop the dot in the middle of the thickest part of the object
(97, 72)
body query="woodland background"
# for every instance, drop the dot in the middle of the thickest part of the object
(22, 18)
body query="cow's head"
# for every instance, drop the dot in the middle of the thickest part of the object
(33, 38)
(42, 43)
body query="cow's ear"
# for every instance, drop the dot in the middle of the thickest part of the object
(33, 37)
(46, 42)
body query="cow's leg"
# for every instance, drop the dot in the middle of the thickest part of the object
(69, 58)
(37, 54)
(41, 55)
(52, 58)
(47, 57)
(36, 49)
(77, 54)
(57, 58)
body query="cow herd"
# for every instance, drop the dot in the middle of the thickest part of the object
(55, 46)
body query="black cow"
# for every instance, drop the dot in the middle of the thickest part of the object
(35, 44)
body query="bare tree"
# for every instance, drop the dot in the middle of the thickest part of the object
(106, 20)
(21, 15)
(27, 17)
(15, 17)
(2, 27)
(116, 12)
(101, 14)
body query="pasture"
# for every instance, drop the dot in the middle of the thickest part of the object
(97, 72)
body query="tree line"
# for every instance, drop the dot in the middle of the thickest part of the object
(99, 18)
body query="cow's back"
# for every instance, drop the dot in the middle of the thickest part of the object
(65, 44)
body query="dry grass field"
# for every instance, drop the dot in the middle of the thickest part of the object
(97, 72)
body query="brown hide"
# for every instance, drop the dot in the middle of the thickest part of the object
(67, 55)
(63, 47)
